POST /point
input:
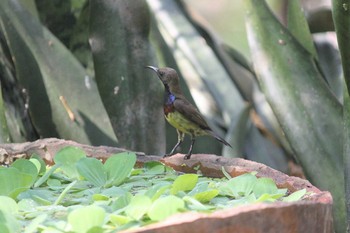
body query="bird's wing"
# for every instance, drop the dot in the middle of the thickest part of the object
(190, 112)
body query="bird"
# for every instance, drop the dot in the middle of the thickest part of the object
(180, 113)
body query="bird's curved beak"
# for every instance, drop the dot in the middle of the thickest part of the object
(155, 69)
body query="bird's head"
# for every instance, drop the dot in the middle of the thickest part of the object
(167, 75)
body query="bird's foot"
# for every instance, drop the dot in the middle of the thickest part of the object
(168, 155)
(188, 156)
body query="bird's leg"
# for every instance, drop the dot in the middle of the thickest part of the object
(189, 153)
(180, 139)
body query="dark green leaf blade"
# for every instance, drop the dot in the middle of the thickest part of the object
(299, 98)
(131, 95)
(298, 26)
(55, 79)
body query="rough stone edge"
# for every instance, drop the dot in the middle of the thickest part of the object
(257, 218)
(209, 165)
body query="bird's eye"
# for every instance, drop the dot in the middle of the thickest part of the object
(161, 73)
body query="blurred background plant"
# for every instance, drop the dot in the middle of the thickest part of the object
(270, 81)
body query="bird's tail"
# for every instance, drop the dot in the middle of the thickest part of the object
(220, 139)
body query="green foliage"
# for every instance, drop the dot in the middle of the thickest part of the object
(89, 202)
(341, 19)
(184, 183)
(118, 167)
(138, 207)
(295, 196)
(243, 185)
(131, 96)
(67, 157)
(299, 97)
(92, 170)
(173, 204)
(59, 103)
(86, 218)
(20, 176)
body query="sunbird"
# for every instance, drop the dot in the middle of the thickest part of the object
(180, 113)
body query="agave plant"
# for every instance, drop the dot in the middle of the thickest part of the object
(75, 70)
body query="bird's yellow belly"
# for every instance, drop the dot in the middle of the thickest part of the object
(178, 121)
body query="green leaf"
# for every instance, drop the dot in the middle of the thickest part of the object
(267, 198)
(296, 196)
(184, 183)
(119, 220)
(92, 170)
(154, 167)
(40, 196)
(165, 207)
(242, 185)
(226, 174)
(114, 191)
(138, 206)
(201, 186)
(99, 197)
(298, 26)
(8, 205)
(341, 19)
(340, 12)
(13, 182)
(131, 109)
(35, 223)
(27, 167)
(346, 151)
(85, 218)
(206, 196)
(299, 97)
(36, 164)
(9, 223)
(14, 127)
(121, 202)
(47, 174)
(54, 78)
(41, 161)
(267, 152)
(67, 157)
(249, 199)
(27, 205)
(64, 192)
(264, 186)
(237, 133)
(118, 167)
(3, 227)
(4, 129)
(54, 184)
(157, 190)
(96, 230)
(194, 204)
